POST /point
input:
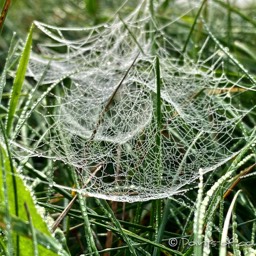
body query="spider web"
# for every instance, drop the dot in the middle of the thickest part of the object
(104, 122)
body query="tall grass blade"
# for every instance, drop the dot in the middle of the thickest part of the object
(5, 204)
(13, 188)
(193, 26)
(156, 205)
(18, 82)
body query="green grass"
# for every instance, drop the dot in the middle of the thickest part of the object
(216, 215)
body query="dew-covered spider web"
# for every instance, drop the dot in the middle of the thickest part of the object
(104, 117)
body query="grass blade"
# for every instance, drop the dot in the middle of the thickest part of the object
(18, 82)
(20, 227)
(4, 13)
(33, 233)
(224, 236)
(12, 49)
(17, 194)
(193, 26)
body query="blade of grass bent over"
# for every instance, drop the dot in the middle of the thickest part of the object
(224, 236)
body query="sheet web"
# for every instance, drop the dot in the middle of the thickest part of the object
(104, 122)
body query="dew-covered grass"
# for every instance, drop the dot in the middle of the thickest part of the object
(127, 128)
